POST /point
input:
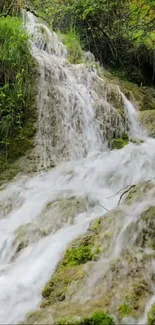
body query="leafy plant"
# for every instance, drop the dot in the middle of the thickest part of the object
(17, 81)
(72, 42)
(120, 33)
(119, 143)
(151, 315)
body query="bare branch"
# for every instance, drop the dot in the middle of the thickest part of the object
(13, 3)
(103, 207)
(132, 186)
(109, 197)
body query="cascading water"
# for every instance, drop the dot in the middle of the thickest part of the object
(34, 206)
(136, 130)
(67, 125)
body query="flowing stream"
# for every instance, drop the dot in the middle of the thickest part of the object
(69, 135)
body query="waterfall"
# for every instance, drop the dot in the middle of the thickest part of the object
(136, 130)
(40, 211)
(67, 125)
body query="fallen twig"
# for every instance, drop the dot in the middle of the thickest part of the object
(109, 197)
(103, 207)
(132, 186)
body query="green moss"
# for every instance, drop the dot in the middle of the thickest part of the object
(98, 318)
(118, 143)
(125, 310)
(21, 246)
(140, 289)
(125, 136)
(78, 255)
(96, 225)
(73, 44)
(143, 96)
(147, 118)
(136, 141)
(57, 289)
(138, 192)
(70, 271)
(146, 237)
(151, 316)
(38, 317)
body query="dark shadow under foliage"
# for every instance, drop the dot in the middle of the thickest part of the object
(18, 75)
(120, 33)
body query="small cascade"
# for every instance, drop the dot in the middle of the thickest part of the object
(136, 129)
(67, 124)
(76, 115)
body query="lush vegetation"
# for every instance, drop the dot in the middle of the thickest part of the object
(151, 316)
(18, 73)
(118, 143)
(120, 33)
(73, 44)
(78, 255)
(98, 318)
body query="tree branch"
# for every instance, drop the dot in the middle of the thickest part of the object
(132, 186)
(9, 9)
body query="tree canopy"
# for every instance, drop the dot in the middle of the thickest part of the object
(120, 33)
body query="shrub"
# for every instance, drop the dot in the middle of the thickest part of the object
(120, 33)
(17, 84)
(118, 143)
(72, 42)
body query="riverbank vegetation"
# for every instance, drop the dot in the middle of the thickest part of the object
(121, 34)
(18, 74)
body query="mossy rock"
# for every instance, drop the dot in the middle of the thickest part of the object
(136, 141)
(138, 192)
(53, 216)
(68, 295)
(151, 316)
(58, 288)
(98, 318)
(147, 119)
(130, 296)
(72, 42)
(146, 230)
(70, 270)
(118, 143)
(78, 255)
(40, 316)
(125, 309)
(114, 98)
(144, 97)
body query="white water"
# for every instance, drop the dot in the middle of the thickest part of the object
(136, 130)
(92, 173)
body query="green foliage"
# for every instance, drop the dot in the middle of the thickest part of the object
(98, 318)
(101, 318)
(120, 33)
(17, 86)
(118, 143)
(8, 7)
(78, 255)
(72, 42)
(151, 316)
(125, 310)
(57, 288)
